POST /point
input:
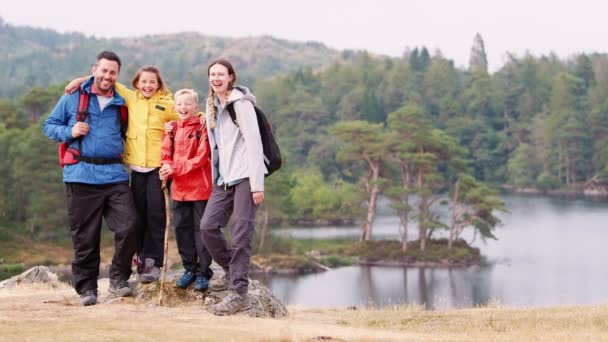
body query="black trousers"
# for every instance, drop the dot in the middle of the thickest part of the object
(224, 202)
(195, 256)
(87, 204)
(151, 216)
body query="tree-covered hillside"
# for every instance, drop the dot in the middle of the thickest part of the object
(415, 129)
(38, 57)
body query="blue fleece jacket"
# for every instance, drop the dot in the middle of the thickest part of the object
(104, 140)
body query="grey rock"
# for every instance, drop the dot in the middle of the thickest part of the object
(36, 274)
(263, 301)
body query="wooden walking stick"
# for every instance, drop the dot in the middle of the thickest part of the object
(166, 252)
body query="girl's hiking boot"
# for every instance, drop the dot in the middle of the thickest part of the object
(120, 288)
(150, 272)
(88, 297)
(201, 283)
(185, 280)
(232, 304)
(219, 282)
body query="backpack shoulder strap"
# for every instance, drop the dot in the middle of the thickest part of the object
(173, 129)
(124, 117)
(232, 113)
(172, 136)
(83, 111)
(83, 105)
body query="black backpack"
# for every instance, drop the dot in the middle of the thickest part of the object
(272, 154)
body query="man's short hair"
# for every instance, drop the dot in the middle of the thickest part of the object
(111, 56)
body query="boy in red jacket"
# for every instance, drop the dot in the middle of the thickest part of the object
(185, 158)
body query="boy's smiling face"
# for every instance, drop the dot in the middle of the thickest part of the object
(185, 106)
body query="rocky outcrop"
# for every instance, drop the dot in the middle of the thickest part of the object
(36, 274)
(263, 301)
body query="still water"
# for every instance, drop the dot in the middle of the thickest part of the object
(550, 251)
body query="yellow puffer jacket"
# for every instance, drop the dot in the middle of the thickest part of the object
(147, 118)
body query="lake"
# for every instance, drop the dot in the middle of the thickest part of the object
(550, 251)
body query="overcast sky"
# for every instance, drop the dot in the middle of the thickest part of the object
(381, 26)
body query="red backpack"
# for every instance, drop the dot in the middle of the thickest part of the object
(69, 155)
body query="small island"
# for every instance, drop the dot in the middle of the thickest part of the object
(333, 254)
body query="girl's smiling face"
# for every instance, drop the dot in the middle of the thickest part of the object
(147, 84)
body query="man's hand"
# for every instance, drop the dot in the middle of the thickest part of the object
(258, 197)
(80, 129)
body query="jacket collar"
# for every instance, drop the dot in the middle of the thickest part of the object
(116, 98)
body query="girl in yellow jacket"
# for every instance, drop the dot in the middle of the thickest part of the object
(150, 107)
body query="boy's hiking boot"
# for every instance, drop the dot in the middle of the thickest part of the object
(232, 304)
(201, 283)
(88, 297)
(220, 282)
(120, 288)
(150, 272)
(185, 280)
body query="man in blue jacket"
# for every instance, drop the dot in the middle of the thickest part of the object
(96, 183)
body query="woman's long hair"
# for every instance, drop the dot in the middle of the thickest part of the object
(211, 97)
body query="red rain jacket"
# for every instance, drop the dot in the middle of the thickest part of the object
(190, 161)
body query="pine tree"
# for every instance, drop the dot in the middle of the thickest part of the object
(473, 204)
(478, 60)
(364, 142)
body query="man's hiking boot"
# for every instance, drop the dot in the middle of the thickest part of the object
(220, 282)
(150, 272)
(232, 304)
(201, 283)
(185, 280)
(120, 288)
(88, 297)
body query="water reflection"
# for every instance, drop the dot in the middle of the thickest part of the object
(551, 251)
(381, 286)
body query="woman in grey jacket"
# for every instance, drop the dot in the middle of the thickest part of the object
(238, 183)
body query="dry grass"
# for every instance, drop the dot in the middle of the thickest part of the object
(38, 312)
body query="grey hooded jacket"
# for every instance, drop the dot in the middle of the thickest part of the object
(239, 154)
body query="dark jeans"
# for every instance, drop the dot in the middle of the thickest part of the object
(238, 202)
(195, 256)
(87, 204)
(151, 215)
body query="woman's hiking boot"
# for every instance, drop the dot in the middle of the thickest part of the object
(220, 282)
(201, 283)
(88, 297)
(232, 304)
(185, 280)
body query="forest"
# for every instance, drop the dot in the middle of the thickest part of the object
(352, 126)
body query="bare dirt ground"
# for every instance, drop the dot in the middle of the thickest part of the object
(39, 312)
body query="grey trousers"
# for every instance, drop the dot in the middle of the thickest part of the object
(224, 202)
